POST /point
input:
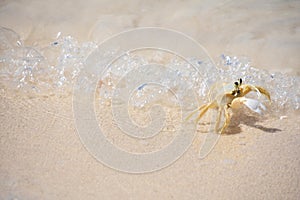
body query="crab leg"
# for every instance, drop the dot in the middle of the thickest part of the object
(193, 112)
(227, 118)
(218, 119)
(205, 109)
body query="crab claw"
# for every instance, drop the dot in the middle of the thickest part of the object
(252, 104)
(259, 90)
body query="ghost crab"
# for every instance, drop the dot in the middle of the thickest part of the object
(228, 97)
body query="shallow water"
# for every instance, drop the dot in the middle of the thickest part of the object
(266, 32)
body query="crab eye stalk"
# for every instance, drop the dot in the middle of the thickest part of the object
(236, 83)
(241, 81)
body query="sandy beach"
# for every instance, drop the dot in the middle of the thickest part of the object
(42, 155)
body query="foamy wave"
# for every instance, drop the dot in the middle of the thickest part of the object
(41, 70)
(53, 69)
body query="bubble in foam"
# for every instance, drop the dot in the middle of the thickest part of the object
(20, 65)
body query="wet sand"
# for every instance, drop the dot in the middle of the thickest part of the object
(42, 157)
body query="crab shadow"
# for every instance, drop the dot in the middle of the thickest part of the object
(249, 120)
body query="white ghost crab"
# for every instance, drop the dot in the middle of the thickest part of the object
(231, 97)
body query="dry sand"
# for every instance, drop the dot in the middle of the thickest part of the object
(42, 157)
